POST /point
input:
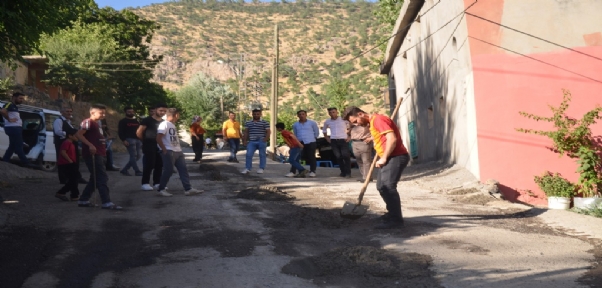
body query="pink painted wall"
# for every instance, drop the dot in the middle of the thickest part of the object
(506, 84)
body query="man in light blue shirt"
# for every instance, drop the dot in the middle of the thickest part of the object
(306, 131)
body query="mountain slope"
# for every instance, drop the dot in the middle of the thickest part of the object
(234, 42)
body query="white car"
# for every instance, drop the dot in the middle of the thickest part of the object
(38, 137)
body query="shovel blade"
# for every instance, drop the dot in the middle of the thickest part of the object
(353, 210)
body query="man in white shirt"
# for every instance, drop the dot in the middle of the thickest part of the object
(339, 140)
(171, 152)
(306, 131)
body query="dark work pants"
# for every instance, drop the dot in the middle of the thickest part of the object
(71, 174)
(340, 148)
(197, 147)
(153, 163)
(57, 148)
(309, 154)
(101, 177)
(386, 184)
(15, 144)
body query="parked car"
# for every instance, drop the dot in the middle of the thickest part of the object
(38, 136)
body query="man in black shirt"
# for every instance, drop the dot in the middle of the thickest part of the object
(127, 133)
(147, 132)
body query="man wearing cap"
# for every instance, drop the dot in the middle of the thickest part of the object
(393, 159)
(256, 136)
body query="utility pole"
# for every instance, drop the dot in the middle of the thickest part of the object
(274, 102)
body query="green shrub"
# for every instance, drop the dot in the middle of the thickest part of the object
(554, 185)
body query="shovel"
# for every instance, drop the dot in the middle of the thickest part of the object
(357, 210)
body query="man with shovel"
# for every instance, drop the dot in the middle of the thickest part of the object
(393, 159)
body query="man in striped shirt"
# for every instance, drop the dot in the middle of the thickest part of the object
(256, 136)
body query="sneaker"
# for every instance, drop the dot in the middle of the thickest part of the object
(289, 174)
(192, 191)
(156, 186)
(259, 171)
(302, 174)
(125, 173)
(164, 193)
(246, 171)
(311, 174)
(235, 161)
(147, 187)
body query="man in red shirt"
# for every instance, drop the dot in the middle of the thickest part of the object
(68, 166)
(295, 152)
(94, 153)
(393, 159)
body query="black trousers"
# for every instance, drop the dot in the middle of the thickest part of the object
(197, 147)
(386, 183)
(57, 148)
(341, 151)
(153, 163)
(72, 175)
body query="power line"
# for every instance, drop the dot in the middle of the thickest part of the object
(535, 59)
(429, 36)
(533, 36)
(137, 62)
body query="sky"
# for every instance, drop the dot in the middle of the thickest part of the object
(120, 4)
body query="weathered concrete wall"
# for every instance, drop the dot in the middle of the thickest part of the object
(506, 83)
(435, 79)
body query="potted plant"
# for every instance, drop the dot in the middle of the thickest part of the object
(573, 137)
(558, 190)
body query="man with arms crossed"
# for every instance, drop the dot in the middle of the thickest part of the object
(171, 151)
(393, 159)
(307, 132)
(231, 132)
(94, 153)
(339, 140)
(361, 142)
(257, 134)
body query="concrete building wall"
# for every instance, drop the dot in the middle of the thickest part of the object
(506, 83)
(435, 79)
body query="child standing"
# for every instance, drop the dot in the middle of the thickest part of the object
(295, 151)
(171, 152)
(68, 166)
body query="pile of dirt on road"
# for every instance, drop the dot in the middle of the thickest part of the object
(479, 199)
(12, 171)
(365, 264)
(264, 193)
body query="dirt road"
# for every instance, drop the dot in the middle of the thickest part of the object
(270, 231)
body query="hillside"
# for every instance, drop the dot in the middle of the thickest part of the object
(234, 42)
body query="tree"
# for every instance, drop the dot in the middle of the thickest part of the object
(74, 54)
(202, 96)
(22, 22)
(337, 91)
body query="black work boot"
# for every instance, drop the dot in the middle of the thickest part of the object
(391, 223)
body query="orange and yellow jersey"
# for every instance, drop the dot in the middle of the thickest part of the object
(381, 125)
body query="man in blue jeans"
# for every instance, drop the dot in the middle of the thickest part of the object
(256, 136)
(127, 133)
(231, 132)
(13, 127)
(171, 153)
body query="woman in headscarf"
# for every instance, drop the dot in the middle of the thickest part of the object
(196, 134)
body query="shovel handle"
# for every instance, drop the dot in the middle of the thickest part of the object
(369, 176)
